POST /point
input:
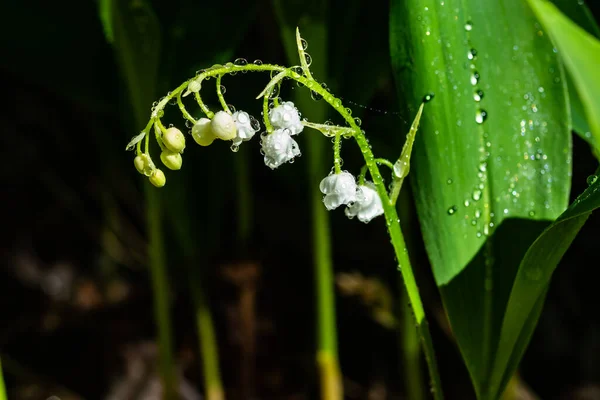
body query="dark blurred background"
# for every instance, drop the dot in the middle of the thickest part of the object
(75, 295)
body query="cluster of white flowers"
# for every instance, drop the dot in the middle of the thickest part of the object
(363, 201)
(279, 147)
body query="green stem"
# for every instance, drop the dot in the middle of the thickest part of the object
(220, 94)
(158, 274)
(209, 351)
(411, 350)
(2, 385)
(327, 354)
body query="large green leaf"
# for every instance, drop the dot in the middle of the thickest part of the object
(532, 280)
(473, 170)
(580, 52)
(492, 163)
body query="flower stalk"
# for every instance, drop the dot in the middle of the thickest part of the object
(279, 147)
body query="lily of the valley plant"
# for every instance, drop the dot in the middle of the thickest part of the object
(363, 199)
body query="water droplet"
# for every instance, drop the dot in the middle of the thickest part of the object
(505, 211)
(468, 26)
(452, 210)
(357, 121)
(474, 78)
(315, 96)
(308, 59)
(428, 97)
(449, 181)
(476, 194)
(477, 213)
(591, 179)
(472, 54)
(304, 44)
(240, 62)
(223, 89)
(467, 203)
(480, 116)
(258, 62)
(478, 95)
(234, 148)
(532, 213)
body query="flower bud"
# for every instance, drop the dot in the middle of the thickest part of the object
(202, 132)
(223, 126)
(157, 178)
(140, 163)
(171, 160)
(174, 140)
(143, 163)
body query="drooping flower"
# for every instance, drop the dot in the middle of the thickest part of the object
(338, 189)
(202, 132)
(157, 178)
(278, 148)
(367, 205)
(174, 140)
(171, 160)
(243, 123)
(223, 126)
(286, 116)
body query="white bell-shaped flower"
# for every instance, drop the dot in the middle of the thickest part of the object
(338, 189)
(286, 116)
(278, 148)
(367, 205)
(245, 131)
(223, 126)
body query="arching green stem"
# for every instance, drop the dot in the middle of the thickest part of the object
(391, 216)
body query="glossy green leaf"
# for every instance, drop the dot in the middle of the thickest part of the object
(492, 161)
(580, 52)
(495, 140)
(532, 280)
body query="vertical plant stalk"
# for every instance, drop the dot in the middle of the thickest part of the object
(207, 343)
(160, 289)
(141, 93)
(411, 350)
(327, 347)
(2, 385)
